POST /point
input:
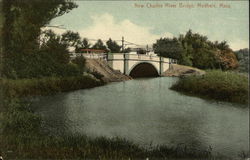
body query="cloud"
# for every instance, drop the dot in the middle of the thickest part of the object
(104, 27)
(239, 44)
(56, 30)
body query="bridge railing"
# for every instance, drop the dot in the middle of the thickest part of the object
(142, 57)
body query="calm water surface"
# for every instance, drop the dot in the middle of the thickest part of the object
(147, 112)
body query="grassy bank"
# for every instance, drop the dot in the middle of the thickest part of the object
(46, 86)
(219, 85)
(82, 147)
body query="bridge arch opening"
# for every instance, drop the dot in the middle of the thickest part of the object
(143, 70)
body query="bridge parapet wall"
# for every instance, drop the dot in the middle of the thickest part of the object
(143, 57)
(126, 62)
(118, 56)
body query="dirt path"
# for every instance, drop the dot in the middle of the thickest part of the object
(101, 67)
(177, 70)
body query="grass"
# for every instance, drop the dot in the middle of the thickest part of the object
(46, 86)
(216, 84)
(80, 146)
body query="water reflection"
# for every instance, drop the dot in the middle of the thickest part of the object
(146, 111)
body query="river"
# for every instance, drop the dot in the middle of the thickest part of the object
(146, 112)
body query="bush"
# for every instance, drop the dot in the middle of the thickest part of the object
(80, 62)
(46, 86)
(226, 86)
(19, 118)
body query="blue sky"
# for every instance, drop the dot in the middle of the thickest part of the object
(104, 19)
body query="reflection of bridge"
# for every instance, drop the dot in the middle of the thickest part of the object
(139, 65)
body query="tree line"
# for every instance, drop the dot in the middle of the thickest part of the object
(79, 43)
(243, 58)
(194, 49)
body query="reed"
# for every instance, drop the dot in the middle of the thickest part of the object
(46, 86)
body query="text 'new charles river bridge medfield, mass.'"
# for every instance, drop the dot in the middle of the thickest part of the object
(181, 5)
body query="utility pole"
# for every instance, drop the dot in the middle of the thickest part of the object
(124, 57)
(122, 44)
(147, 51)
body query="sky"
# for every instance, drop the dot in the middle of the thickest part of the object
(114, 19)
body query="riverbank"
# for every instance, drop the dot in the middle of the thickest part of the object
(219, 85)
(102, 148)
(176, 70)
(99, 73)
(47, 85)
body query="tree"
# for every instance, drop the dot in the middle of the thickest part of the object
(196, 50)
(80, 62)
(141, 51)
(57, 46)
(22, 28)
(113, 46)
(84, 44)
(127, 50)
(72, 39)
(205, 59)
(222, 46)
(170, 48)
(243, 58)
(99, 45)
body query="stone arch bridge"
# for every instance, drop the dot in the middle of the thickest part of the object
(139, 65)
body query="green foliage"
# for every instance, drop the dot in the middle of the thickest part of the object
(225, 86)
(127, 50)
(24, 20)
(22, 34)
(204, 59)
(196, 50)
(80, 62)
(56, 46)
(167, 47)
(99, 45)
(46, 86)
(84, 44)
(185, 59)
(51, 59)
(19, 118)
(72, 39)
(113, 46)
(83, 147)
(243, 58)
(141, 51)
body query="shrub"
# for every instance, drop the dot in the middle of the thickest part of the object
(46, 86)
(226, 86)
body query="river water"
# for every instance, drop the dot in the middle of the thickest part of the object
(146, 112)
